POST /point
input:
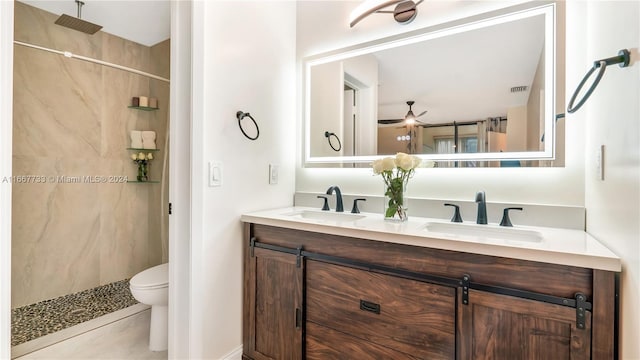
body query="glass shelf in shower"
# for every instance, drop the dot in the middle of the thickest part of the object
(143, 150)
(143, 182)
(143, 108)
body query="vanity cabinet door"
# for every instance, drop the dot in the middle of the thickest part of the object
(370, 313)
(494, 326)
(272, 327)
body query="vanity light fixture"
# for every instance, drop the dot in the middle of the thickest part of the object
(404, 12)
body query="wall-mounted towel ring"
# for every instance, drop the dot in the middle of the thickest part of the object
(622, 59)
(328, 135)
(241, 115)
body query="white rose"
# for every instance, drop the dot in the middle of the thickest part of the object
(416, 161)
(404, 161)
(377, 166)
(150, 156)
(134, 157)
(141, 156)
(388, 164)
(429, 163)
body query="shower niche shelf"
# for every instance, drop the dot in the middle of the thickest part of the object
(143, 182)
(143, 108)
(137, 181)
(143, 150)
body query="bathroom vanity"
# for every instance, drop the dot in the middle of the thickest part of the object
(323, 285)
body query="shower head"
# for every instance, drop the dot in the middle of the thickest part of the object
(76, 23)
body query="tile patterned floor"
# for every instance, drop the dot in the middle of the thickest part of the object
(125, 339)
(32, 321)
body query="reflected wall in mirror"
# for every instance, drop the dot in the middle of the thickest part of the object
(468, 94)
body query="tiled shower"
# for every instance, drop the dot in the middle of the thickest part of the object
(81, 239)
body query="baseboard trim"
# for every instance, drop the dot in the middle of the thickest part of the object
(236, 354)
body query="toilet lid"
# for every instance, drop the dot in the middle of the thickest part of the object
(152, 277)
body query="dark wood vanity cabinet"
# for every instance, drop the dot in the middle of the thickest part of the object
(309, 295)
(494, 326)
(272, 321)
(411, 318)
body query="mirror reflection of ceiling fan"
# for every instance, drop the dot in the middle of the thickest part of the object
(409, 119)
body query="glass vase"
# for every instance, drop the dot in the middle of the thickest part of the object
(143, 171)
(395, 202)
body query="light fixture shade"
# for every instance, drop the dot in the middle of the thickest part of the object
(367, 8)
(410, 118)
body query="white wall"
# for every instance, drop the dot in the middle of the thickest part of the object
(179, 184)
(247, 63)
(326, 101)
(365, 69)
(517, 128)
(560, 186)
(613, 119)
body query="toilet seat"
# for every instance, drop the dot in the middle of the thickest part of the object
(153, 278)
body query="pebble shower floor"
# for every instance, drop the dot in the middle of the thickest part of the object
(35, 320)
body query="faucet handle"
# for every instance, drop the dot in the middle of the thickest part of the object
(505, 216)
(354, 209)
(456, 213)
(325, 207)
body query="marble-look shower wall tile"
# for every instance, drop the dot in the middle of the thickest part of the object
(123, 225)
(71, 121)
(126, 53)
(55, 229)
(161, 58)
(56, 105)
(118, 119)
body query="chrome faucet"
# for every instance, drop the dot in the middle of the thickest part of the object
(339, 206)
(482, 208)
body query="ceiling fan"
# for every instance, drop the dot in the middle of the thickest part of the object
(409, 119)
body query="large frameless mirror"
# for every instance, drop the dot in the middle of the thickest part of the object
(480, 93)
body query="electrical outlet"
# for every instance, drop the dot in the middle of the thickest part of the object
(600, 163)
(273, 174)
(215, 173)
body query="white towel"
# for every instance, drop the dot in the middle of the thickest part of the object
(148, 139)
(136, 139)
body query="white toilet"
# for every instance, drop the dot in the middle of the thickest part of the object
(150, 287)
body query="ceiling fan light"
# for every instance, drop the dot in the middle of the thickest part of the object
(410, 118)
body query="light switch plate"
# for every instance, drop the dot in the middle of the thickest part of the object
(215, 173)
(273, 174)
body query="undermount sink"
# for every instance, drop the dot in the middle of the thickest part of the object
(484, 231)
(325, 215)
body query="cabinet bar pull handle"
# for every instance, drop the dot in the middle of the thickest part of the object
(369, 306)
(298, 318)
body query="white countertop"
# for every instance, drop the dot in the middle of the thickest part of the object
(552, 245)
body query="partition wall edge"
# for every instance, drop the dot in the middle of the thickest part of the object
(6, 131)
(180, 118)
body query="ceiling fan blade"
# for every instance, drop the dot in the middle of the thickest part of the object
(390, 121)
(422, 113)
(422, 123)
